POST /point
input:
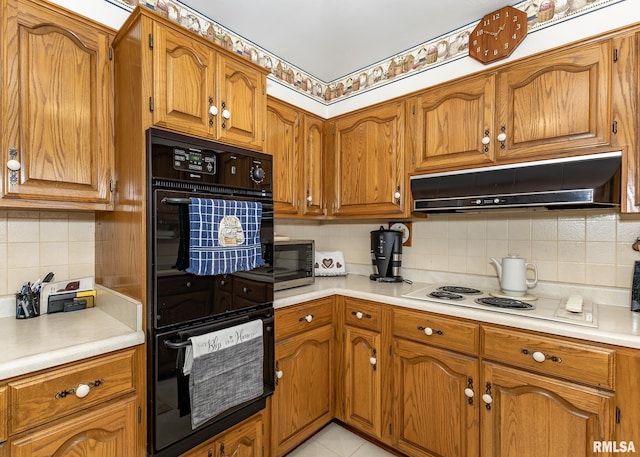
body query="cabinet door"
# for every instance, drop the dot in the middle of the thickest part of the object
(242, 104)
(362, 380)
(369, 162)
(105, 431)
(433, 416)
(282, 143)
(313, 163)
(184, 83)
(532, 415)
(447, 125)
(244, 440)
(556, 104)
(57, 103)
(303, 399)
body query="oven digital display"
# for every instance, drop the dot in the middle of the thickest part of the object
(197, 160)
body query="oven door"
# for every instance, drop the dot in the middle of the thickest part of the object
(170, 398)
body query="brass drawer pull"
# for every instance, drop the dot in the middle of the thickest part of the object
(540, 357)
(81, 390)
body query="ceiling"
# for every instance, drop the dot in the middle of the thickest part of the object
(333, 38)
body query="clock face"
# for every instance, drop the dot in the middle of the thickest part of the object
(498, 34)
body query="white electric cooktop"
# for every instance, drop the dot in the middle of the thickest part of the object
(552, 309)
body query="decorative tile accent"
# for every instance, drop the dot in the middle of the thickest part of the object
(425, 56)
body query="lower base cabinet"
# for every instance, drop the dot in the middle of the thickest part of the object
(243, 440)
(531, 415)
(87, 408)
(429, 385)
(362, 381)
(106, 431)
(303, 401)
(433, 416)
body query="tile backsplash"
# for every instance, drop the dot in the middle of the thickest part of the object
(32, 243)
(578, 247)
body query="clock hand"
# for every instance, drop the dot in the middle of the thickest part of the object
(495, 34)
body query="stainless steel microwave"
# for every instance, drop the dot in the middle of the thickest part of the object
(293, 263)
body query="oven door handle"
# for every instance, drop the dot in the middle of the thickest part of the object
(173, 345)
(175, 201)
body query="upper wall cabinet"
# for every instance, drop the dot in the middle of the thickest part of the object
(369, 169)
(184, 83)
(556, 104)
(57, 105)
(448, 124)
(296, 141)
(547, 106)
(283, 144)
(200, 91)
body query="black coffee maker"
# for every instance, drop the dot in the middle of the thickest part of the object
(386, 255)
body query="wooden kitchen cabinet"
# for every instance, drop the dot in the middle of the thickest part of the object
(3, 418)
(436, 401)
(363, 381)
(243, 94)
(186, 86)
(296, 141)
(243, 440)
(105, 431)
(48, 417)
(554, 105)
(447, 124)
(283, 143)
(364, 362)
(303, 401)
(57, 104)
(313, 166)
(369, 168)
(197, 88)
(627, 396)
(544, 395)
(530, 415)
(433, 416)
(625, 92)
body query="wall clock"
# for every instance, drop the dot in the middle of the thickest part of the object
(405, 228)
(498, 34)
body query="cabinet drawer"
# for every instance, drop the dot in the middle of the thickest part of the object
(362, 313)
(38, 399)
(302, 317)
(584, 363)
(247, 289)
(436, 330)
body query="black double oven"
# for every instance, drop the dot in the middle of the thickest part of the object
(183, 305)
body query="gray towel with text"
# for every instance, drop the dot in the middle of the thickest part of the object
(225, 378)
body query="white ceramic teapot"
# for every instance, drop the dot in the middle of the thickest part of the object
(512, 274)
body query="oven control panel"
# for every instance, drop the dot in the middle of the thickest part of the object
(194, 160)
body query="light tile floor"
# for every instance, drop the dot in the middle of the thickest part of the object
(335, 441)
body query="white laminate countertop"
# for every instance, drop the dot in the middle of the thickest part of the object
(49, 340)
(617, 325)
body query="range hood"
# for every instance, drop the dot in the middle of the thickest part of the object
(572, 182)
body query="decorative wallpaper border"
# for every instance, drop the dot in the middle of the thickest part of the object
(430, 54)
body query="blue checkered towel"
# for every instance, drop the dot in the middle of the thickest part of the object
(224, 236)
